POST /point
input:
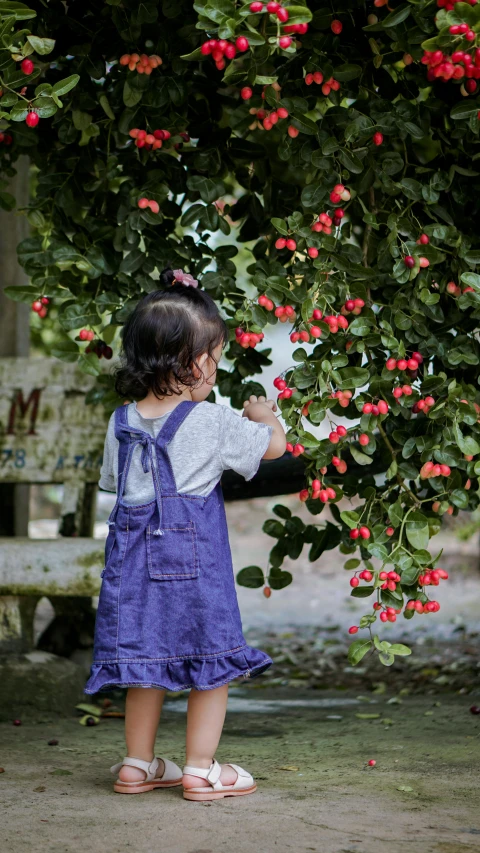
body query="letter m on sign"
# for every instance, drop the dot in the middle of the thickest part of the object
(24, 408)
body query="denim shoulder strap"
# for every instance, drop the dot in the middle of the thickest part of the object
(121, 421)
(165, 435)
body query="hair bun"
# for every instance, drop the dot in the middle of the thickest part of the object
(167, 276)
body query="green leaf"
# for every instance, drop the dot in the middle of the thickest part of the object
(463, 110)
(357, 651)
(360, 458)
(353, 377)
(400, 649)
(42, 46)
(416, 529)
(64, 86)
(279, 579)
(280, 226)
(350, 518)
(273, 528)
(400, 14)
(251, 577)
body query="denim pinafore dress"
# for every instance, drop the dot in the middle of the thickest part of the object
(168, 614)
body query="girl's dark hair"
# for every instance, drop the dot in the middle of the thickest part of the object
(163, 338)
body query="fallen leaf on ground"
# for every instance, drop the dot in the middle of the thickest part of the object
(405, 788)
(289, 767)
(40, 788)
(368, 716)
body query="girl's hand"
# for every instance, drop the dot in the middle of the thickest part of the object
(253, 399)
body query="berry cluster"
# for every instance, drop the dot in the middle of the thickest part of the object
(265, 302)
(412, 262)
(86, 335)
(324, 222)
(101, 349)
(6, 138)
(285, 313)
(144, 202)
(412, 363)
(402, 390)
(248, 339)
(295, 449)
(322, 493)
(336, 434)
(390, 580)
(149, 141)
(454, 290)
(339, 464)
(343, 398)
(336, 322)
(339, 193)
(362, 532)
(40, 306)
(142, 63)
(423, 405)
(218, 49)
(286, 243)
(380, 408)
(327, 85)
(436, 504)
(282, 14)
(281, 385)
(353, 306)
(366, 575)
(419, 607)
(430, 469)
(266, 120)
(460, 64)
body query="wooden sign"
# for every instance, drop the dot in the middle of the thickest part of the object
(47, 432)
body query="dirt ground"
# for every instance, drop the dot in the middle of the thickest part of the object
(306, 730)
(309, 754)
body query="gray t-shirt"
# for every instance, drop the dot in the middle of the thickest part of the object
(211, 439)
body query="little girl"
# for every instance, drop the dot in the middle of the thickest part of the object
(168, 616)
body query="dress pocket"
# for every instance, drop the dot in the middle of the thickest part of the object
(173, 556)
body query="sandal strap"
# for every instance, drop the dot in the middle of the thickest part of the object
(211, 774)
(149, 768)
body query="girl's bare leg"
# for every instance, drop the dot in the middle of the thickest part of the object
(205, 719)
(142, 716)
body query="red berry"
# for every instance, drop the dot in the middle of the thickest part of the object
(367, 408)
(409, 262)
(353, 629)
(364, 439)
(280, 243)
(27, 66)
(143, 203)
(256, 7)
(83, 335)
(313, 252)
(334, 437)
(391, 364)
(284, 42)
(365, 533)
(418, 357)
(336, 27)
(291, 245)
(267, 592)
(377, 138)
(37, 305)
(246, 93)
(423, 239)
(354, 582)
(154, 206)
(282, 112)
(382, 407)
(32, 119)
(412, 364)
(355, 533)
(272, 7)
(282, 14)
(292, 131)
(372, 762)
(242, 44)
(349, 305)
(341, 430)
(17, 722)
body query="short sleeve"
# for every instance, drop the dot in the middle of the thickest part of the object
(107, 472)
(243, 443)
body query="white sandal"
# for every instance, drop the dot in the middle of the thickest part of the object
(244, 783)
(171, 777)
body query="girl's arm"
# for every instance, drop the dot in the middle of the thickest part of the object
(261, 410)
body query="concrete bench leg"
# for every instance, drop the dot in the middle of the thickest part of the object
(16, 623)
